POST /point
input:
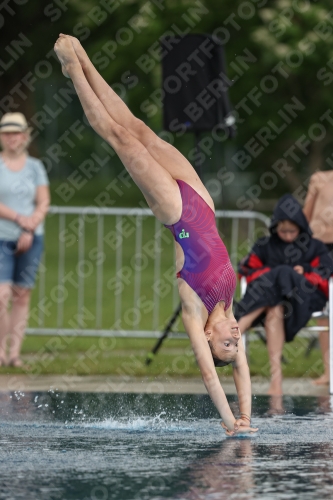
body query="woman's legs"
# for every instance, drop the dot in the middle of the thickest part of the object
(13, 322)
(246, 321)
(325, 352)
(5, 294)
(165, 154)
(274, 327)
(18, 322)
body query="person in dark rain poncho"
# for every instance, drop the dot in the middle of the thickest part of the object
(287, 280)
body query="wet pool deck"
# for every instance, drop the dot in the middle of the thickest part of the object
(291, 386)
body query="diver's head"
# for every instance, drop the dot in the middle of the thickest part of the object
(223, 337)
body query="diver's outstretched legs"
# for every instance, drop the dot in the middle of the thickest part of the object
(156, 183)
(165, 154)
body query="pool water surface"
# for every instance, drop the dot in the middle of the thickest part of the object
(129, 446)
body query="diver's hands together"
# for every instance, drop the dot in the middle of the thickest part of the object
(244, 425)
(241, 426)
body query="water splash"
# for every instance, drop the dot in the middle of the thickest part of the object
(142, 424)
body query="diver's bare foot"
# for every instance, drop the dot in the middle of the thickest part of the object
(79, 51)
(66, 54)
(323, 380)
(275, 388)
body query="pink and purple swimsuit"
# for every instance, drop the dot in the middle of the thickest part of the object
(207, 268)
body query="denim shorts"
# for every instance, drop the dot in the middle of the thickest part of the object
(20, 269)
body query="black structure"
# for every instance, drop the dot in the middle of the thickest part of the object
(195, 84)
(150, 356)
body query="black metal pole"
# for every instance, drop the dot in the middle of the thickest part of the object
(164, 335)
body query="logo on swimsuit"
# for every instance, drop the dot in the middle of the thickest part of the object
(182, 234)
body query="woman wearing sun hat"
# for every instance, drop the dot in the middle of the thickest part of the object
(24, 202)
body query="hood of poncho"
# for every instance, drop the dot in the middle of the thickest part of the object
(288, 208)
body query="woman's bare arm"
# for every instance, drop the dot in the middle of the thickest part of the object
(42, 201)
(7, 213)
(241, 374)
(242, 379)
(194, 329)
(30, 222)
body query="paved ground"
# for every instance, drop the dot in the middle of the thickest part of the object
(293, 386)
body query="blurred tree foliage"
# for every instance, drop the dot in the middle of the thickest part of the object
(280, 63)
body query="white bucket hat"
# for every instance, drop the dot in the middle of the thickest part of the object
(14, 122)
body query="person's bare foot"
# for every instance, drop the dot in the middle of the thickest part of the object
(66, 54)
(15, 363)
(79, 50)
(3, 361)
(276, 405)
(323, 380)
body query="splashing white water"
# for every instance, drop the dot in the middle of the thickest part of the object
(142, 424)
